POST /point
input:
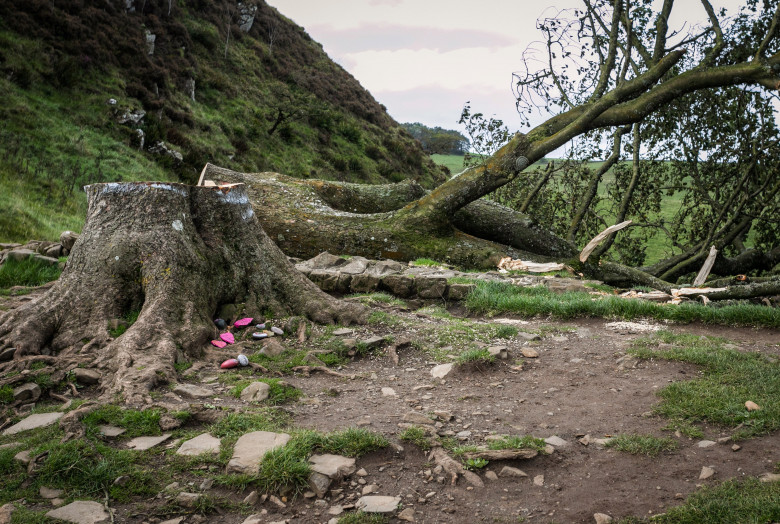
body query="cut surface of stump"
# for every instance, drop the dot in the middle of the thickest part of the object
(170, 255)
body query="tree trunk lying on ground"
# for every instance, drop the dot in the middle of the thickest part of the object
(172, 254)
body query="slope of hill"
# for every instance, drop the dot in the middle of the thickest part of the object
(102, 90)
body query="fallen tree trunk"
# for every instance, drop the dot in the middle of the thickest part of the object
(759, 289)
(169, 254)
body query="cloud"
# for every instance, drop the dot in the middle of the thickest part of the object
(382, 37)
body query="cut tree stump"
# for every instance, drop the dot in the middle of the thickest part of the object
(171, 254)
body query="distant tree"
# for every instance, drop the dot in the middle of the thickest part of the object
(436, 140)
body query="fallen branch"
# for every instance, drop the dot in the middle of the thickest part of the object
(760, 289)
(598, 239)
(704, 272)
(502, 454)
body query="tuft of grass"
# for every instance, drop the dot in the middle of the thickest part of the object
(417, 436)
(382, 298)
(137, 423)
(6, 394)
(28, 272)
(642, 444)
(287, 469)
(729, 378)
(504, 331)
(279, 391)
(517, 442)
(236, 424)
(360, 517)
(735, 501)
(475, 357)
(685, 428)
(501, 297)
(427, 262)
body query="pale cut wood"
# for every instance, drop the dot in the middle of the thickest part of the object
(696, 291)
(502, 454)
(598, 239)
(203, 174)
(508, 264)
(704, 272)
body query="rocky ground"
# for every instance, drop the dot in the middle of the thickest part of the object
(570, 383)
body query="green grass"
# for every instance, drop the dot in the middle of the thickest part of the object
(642, 444)
(377, 298)
(359, 517)
(136, 423)
(475, 357)
(517, 442)
(427, 262)
(279, 392)
(28, 272)
(738, 502)
(287, 469)
(417, 436)
(497, 297)
(728, 379)
(236, 424)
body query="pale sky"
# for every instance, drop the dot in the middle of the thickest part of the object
(423, 59)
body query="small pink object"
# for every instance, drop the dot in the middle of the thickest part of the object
(218, 343)
(227, 337)
(229, 363)
(243, 322)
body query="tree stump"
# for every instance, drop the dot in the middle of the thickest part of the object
(172, 254)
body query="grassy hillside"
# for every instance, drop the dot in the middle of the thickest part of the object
(264, 100)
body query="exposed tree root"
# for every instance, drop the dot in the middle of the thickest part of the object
(453, 468)
(307, 370)
(502, 454)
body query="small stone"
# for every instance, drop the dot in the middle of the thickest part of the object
(529, 352)
(259, 336)
(463, 435)
(539, 480)
(319, 483)
(528, 336)
(441, 371)
(250, 448)
(343, 332)
(491, 475)
(334, 466)
(50, 493)
(509, 471)
(220, 323)
(498, 352)
(111, 431)
(38, 420)
(361, 472)
(256, 392)
(193, 391)
(706, 443)
(23, 457)
(378, 504)
(417, 418)
(87, 376)
(276, 500)
(203, 443)
(277, 331)
(206, 484)
(706, 472)
(252, 498)
(556, 441)
(335, 510)
(5, 512)
(602, 518)
(388, 392)
(187, 500)
(29, 392)
(272, 347)
(371, 488)
(769, 477)
(752, 406)
(144, 443)
(736, 447)
(81, 512)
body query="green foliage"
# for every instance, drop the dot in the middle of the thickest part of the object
(504, 331)
(6, 394)
(28, 272)
(417, 436)
(236, 424)
(475, 463)
(127, 321)
(729, 378)
(499, 297)
(485, 135)
(427, 262)
(279, 391)
(437, 140)
(642, 444)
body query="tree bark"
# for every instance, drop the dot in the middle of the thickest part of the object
(173, 254)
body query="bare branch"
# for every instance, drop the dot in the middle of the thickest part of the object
(769, 34)
(661, 27)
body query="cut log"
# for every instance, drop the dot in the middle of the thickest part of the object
(704, 272)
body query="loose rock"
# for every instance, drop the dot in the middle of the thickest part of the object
(256, 392)
(144, 443)
(378, 504)
(706, 472)
(602, 518)
(38, 420)
(509, 471)
(203, 443)
(529, 352)
(81, 512)
(441, 371)
(250, 448)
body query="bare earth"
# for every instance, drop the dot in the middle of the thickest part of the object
(580, 384)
